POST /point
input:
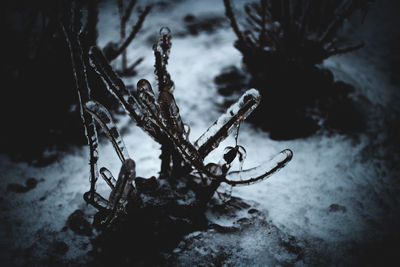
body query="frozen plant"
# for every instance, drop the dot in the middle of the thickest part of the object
(156, 212)
(184, 179)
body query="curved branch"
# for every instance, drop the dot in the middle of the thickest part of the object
(257, 174)
(103, 117)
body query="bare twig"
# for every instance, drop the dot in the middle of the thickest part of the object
(132, 35)
(232, 19)
(71, 31)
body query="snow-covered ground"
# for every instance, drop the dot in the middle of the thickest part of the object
(338, 197)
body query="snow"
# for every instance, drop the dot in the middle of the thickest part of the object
(337, 194)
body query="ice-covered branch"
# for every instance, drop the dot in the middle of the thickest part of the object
(190, 183)
(103, 117)
(108, 177)
(227, 122)
(71, 27)
(261, 172)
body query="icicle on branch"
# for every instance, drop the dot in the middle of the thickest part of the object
(166, 100)
(108, 177)
(123, 190)
(227, 122)
(124, 184)
(96, 200)
(170, 113)
(161, 53)
(147, 100)
(261, 172)
(128, 99)
(114, 84)
(103, 117)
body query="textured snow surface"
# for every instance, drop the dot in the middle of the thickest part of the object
(330, 204)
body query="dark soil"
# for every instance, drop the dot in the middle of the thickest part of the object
(296, 102)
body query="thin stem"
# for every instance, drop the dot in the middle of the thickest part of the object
(232, 19)
(133, 33)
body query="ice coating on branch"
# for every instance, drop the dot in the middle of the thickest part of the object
(260, 172)
(100, 64)
(151, 110)
(91, 136)
(114, 84)
(169, 126)
(133, 107)
(166, 100)
(108, 177)
(71, 32)
(164, 44)
(124, 184)
(161, 53)
(122, 191)
(103, 117)
(148, 101)
(170, 113)
(96, 200)
(227, 122)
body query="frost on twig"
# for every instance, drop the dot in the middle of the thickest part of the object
(227, 122)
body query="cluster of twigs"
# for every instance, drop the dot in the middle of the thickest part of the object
(303, 32)
(112, 50)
